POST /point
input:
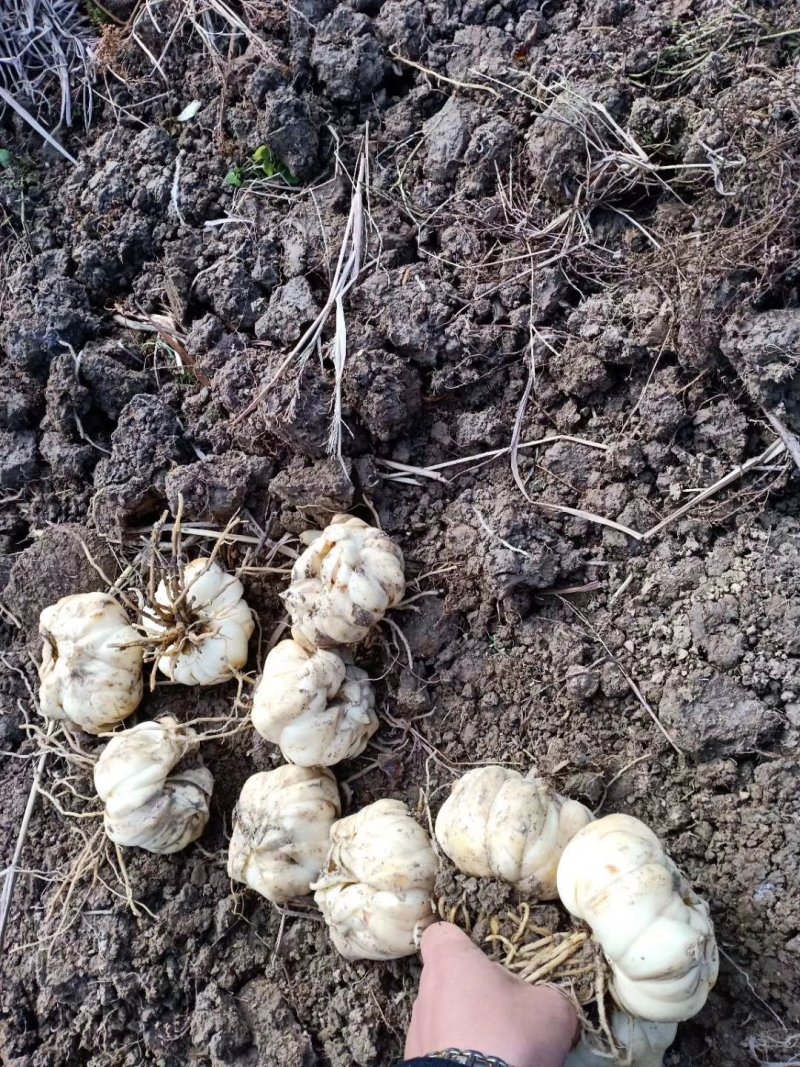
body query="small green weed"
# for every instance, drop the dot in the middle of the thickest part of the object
(263, 163)
(97, 15)
(496, 646)
(16, 172)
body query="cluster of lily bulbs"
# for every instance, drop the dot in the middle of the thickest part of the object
(372, 873)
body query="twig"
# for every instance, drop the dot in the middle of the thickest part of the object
(493, 533)
(12, 870)
(788, 438)
(776, 449)
(230, 538)
(620, 589)
(393, 464)
(756, 995)
(494, 453)
(34, 123)
(589, 516)
(342, 282)
(568, 590)
(345, 277)
(612, 781)
(175, 189)
(42, 41)
(8, 614)
(523, 404)
(634, 688)
(443, 77)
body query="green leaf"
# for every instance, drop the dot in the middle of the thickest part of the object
(271, 167)
(234, 177)
(288, 177)
(5, 157)
(262, 155)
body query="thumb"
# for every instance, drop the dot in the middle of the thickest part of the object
(447, 940)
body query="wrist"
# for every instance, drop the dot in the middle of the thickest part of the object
(468, 1058)
(450, 1057)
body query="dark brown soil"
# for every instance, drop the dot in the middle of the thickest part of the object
(605, 223)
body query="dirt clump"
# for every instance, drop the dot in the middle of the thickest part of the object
(130, 485)
(711, 716)
(214, 490)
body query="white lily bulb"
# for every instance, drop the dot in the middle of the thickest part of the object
(91, 673)
(376, 887)
(212, 625)
(154, 786)
(343, 583)
(497, 824)
(641, 1043)
(318, 709)
(281, 830)
(652, 926)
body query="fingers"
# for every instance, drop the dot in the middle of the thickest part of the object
(446, 939)
(467, 1001)
(451, 953)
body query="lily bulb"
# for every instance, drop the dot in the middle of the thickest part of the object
(343, 584)
(641, 1043)
(154, 786)
(318, 709)
(281, 830)
(653, 928)
(91, 669)
(204, 624)
(497, 824)
(376, 886)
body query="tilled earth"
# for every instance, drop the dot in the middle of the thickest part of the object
(581, 228)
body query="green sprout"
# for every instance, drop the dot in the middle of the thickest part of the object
(235, 177)
(496, 645)
(263, 163)
(97, 14)
(271, 167)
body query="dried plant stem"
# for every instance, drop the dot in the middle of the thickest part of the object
(44, 43)
(777, 448)
(13, 869)
(347, 271)
(523, 404)
(34, 123)
(443, 77)
(432, 471)
(634, 688)
(600, 1000)
(789, 439)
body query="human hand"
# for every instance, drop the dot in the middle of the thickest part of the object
(466, 1001)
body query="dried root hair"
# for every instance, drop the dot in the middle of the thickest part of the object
(570, 960)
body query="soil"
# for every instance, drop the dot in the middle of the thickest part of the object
(582, 218)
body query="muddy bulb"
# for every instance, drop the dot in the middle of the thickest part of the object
(652, 926)
(317, 708)
(343, 584)
(641, 1043)
(204, 625)
(375, 889)
(87, 675)
(281, 830)
(497, 824)
(154, 786)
